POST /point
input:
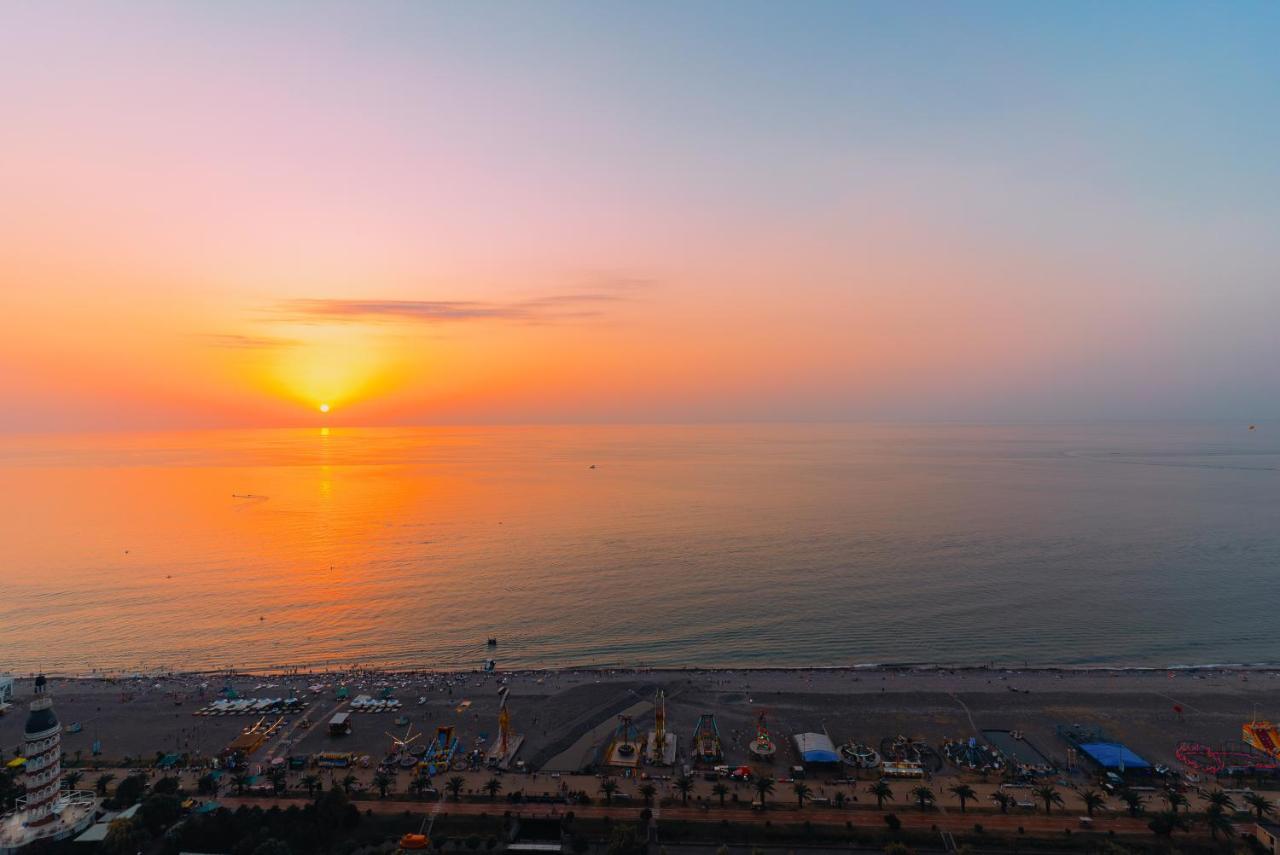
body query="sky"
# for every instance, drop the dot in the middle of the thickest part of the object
(230, 213)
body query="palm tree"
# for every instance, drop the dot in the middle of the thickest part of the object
(103, 782)
(802, 791)
(1260, 804)
(1003, 799)
(1220, 798)
(1092, 800)
(1174, 799)
(882, 791)
(241, 780)
(963, 792)
(493, 786)
(764, 786)
(720, 790)
(348, 783)
(924, 795)
(1050, 796)
(1215, 816)
(71, 779)
(454, 785)
(311, 783)
(1167, 822)
(608, 786)
(839, 798)
(382, 781)
(277, 778)
(685, 785)
(1133, 801)
(647, 792)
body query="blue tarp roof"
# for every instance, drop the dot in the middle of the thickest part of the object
(816, 748)
(1113, 755)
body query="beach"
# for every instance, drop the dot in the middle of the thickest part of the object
(563, 712)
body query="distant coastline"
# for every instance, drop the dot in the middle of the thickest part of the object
(615, 670)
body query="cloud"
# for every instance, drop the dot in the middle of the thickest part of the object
(580, 305)
(248, 342)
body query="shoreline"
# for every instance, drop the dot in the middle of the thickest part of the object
(615, 670)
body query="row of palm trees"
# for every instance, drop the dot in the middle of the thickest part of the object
(1220, 802)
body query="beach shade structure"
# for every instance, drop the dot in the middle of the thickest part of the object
(1114, 755)
(816, 748)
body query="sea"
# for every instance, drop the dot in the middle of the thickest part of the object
(835, 545)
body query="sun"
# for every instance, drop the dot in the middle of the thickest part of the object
(324, 408)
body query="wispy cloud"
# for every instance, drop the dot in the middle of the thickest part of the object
(247, 342)
(554, 308)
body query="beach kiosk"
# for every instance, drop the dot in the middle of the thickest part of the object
(340, 724)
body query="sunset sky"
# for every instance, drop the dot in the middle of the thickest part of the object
(231, 213)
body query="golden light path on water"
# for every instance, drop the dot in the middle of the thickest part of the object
(762, 545)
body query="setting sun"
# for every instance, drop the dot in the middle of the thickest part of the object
(324, 408)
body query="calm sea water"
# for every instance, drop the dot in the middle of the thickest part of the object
(1136, 544)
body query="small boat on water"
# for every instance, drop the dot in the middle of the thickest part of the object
(493, 642)
(490, 664)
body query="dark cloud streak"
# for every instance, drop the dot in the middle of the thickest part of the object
(569, 307)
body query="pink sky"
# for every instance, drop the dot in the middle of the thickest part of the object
(217, 216)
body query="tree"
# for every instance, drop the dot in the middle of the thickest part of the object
(720, 790)
(349, 783)
(764, 786)
(103, 782)
(1092, 800)
(124, 837)
(493, 786)
(454, 786)
(278, 778)
(924, 796)
(1165, 823)
(383, 782)
(882, 792)
(129, 791)
(647, 792)
(1215, 816)
(1260, 804)
(685, 785)
(625, 840)
(607, 788)
(271, 846)
(1220, 798)
(71, 779)
(158, 811)
(839, 798)
(207, 785)
(964, 793)
(802, 791)
(1133, 801)
(1174, 799)
(1050, 796)
(1002, 799)
(241, 780)
(311, 783)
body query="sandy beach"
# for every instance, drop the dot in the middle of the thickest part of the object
(560, 711)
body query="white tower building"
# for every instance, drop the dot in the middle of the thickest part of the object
(47, 812)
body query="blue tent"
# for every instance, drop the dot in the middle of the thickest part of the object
(1113, 755)
(816, 748)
